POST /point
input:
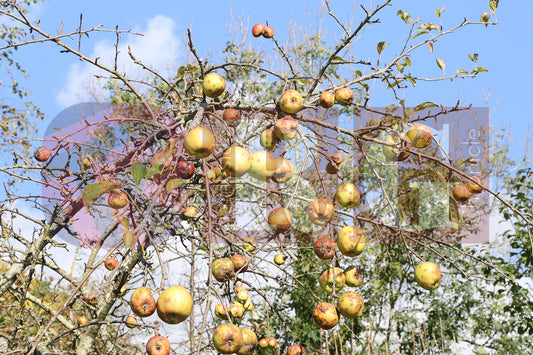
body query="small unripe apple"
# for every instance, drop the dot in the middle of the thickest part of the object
(268, 32)
(199, 142)
(262, 165)
(236, 310)
(84, 161)
(117, 200)
(111, 263)
(324, 248)
(123, 290)
(351, 241)
(240, 262)
(291, 102)
(396, 152)
(428, 275)
(325, 315)
(131, 322)
(249, 341)
(248, 305)
(236, 161)
(279, 259)
(350, 304)
(257, 30)
(475, 187)
(227, 338)
(273, 342)
(320, 211)
(286, 128)
(190, 212)
(344, 96)
(82, 320)
(222, 269)
(42, 154)
(174, 305)
(284, 171)
(213, 85)
(295, 349)
(249, 244)
(243, 296)
(420, 135)
(185, 169)
(263, 343)
(221, 311)
(347, 195)
(353, 276)
(268, 139)
(279, 219)
(336, 158)
(232, 117)
(326, 280)
(327, 99)
(142, 302)
(158, 345)
(461, 193)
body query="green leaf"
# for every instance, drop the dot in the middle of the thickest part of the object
(425, 105)
(420, 34)
(358, 73)
(138, 171)
(411, 79)
(407, 61)
(459, 71)
(479, 69)
(124, 221)
(129, 238)
(173, 183)
(404, 16)
(153, 170)
(338, 59)
(441, 64)
(365, 85)
(399, 66)
(439, 11)
(92, 192)
(381, 46)
(473, 58)
(493, 5)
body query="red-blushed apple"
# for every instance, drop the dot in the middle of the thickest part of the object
(174, 305)
(185, 169)
(279, 259)
(428, 275)
(268, 139)
(327, 99)
(461, 193)
(396, 151)
(344, 96)
(250, 244)
(263, 343)
(326, 280)
(325, 315)
(351, 241)
(213, 85)
(200, 142)
(236, 310)
(227, 338)
(236, 161)
(92, 298)
(117, 199)
(232, 117)
(350, 304)
(221, 311)
(257, 30)
(286, 128)
(420, 135)
(42, 154)
(262, 165)
(320, 211)
(131, 322)
(82, 320)
(336, 158)
(475, 187)
(279, 219)
(222, 269)
(142, 302)
(353, 276)
(110, 263)
(295, 349)
(249, 341)
(158, 345)
(272, 342)
(291, 101)
(240, 262)
(284, 171)
(268, 32)
(347, 195)
(324, 248)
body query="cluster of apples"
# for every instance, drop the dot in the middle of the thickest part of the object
(462, 193)
(173, 306)
(260, 30)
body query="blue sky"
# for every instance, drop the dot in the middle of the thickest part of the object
(56, 78)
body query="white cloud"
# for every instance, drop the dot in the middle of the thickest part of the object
(157, 49)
